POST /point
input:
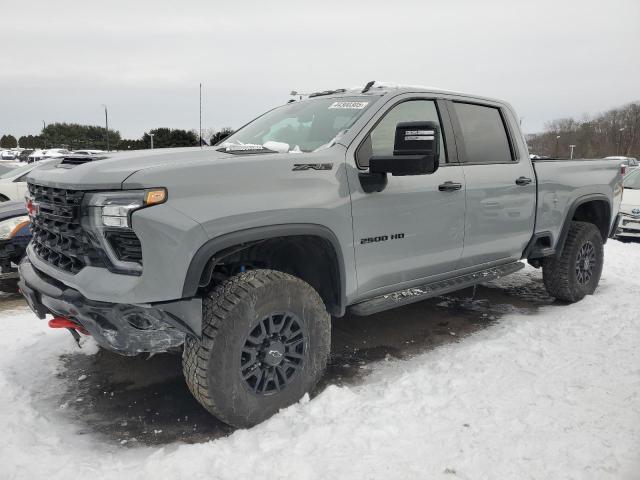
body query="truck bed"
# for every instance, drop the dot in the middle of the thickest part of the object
(562, 183)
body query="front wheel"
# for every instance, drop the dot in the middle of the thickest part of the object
(265, 343)
(576, 272)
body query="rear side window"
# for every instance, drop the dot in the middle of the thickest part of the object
(484, 134)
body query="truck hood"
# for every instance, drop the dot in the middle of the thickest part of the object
(112, 171)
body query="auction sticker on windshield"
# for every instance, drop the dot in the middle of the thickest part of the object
(349, 105)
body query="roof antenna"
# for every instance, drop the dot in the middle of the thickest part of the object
(368, 86)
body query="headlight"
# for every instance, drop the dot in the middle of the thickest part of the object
(114, 209)
(9, 228)
(108, 215)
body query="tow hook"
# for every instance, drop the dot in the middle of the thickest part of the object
(73, 327)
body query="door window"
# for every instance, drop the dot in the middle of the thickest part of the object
(484, 134)
(382, 137)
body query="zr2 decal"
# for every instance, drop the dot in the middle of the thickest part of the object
(312, 166)
(381, 238)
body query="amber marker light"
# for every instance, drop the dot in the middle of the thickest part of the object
(18, 227)
(156, 196)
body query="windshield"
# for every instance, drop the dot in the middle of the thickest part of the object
(298, 127)
(632, 180)
(15, 172)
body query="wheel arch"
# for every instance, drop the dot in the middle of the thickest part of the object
(216, 248)
(595, 209)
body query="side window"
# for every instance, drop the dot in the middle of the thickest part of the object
(484, 134)
(382, 137)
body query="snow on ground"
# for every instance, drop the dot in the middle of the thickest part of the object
(555, 395)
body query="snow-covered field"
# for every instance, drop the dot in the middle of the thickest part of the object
(554, 395)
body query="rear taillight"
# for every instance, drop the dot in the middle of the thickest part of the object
(623, 169)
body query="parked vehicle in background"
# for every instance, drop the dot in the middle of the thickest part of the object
(13, 184)
(629, 223)
(630, 162)
(55, 153)
(36, 156)
(8, 155)
(24, 155)
(14, 237)
(88, 152)
(349, 200)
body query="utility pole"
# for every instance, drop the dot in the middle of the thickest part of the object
(106, 122)
(151, 136)
(571, 147)
(200, 114)
(44, 135)
(620, 140)
(557, 139)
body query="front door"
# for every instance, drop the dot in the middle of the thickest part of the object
(414, 228)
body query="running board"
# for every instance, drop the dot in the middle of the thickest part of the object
(422, 292)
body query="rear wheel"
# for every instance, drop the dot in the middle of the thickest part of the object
(265, 343)
(576, 272)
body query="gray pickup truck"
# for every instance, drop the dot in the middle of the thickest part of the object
(344, 201)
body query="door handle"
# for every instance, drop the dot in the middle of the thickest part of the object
(523, 181)
(449, 186)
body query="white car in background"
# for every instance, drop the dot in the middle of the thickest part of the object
(49, 153)
(8, 155)
(88, 152)
(13, 184)
(629, 223)
(56, 153)
(630, 162)
(36, 156)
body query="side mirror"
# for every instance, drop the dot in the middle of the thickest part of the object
(415, 151)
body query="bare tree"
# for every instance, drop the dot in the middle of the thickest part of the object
(615, 132)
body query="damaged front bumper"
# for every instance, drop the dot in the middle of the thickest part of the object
(123, 328)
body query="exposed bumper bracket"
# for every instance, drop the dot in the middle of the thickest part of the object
(125, 329)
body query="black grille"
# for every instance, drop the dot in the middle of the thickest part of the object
(58, 237)
(126, 245)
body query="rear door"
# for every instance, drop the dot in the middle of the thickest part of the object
(500, 183)
(413, 228)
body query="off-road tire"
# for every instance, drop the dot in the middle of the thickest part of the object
(212, 365)
(560, 273)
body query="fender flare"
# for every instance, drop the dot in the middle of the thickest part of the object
(217, 244)
(562, 237)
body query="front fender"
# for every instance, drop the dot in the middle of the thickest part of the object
(209, 249)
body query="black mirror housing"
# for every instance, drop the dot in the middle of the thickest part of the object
(403, 165)
(415, 151)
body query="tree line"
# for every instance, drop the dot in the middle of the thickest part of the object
(614, 132)
(74, 136)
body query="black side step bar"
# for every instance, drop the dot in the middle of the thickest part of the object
(422, 292)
